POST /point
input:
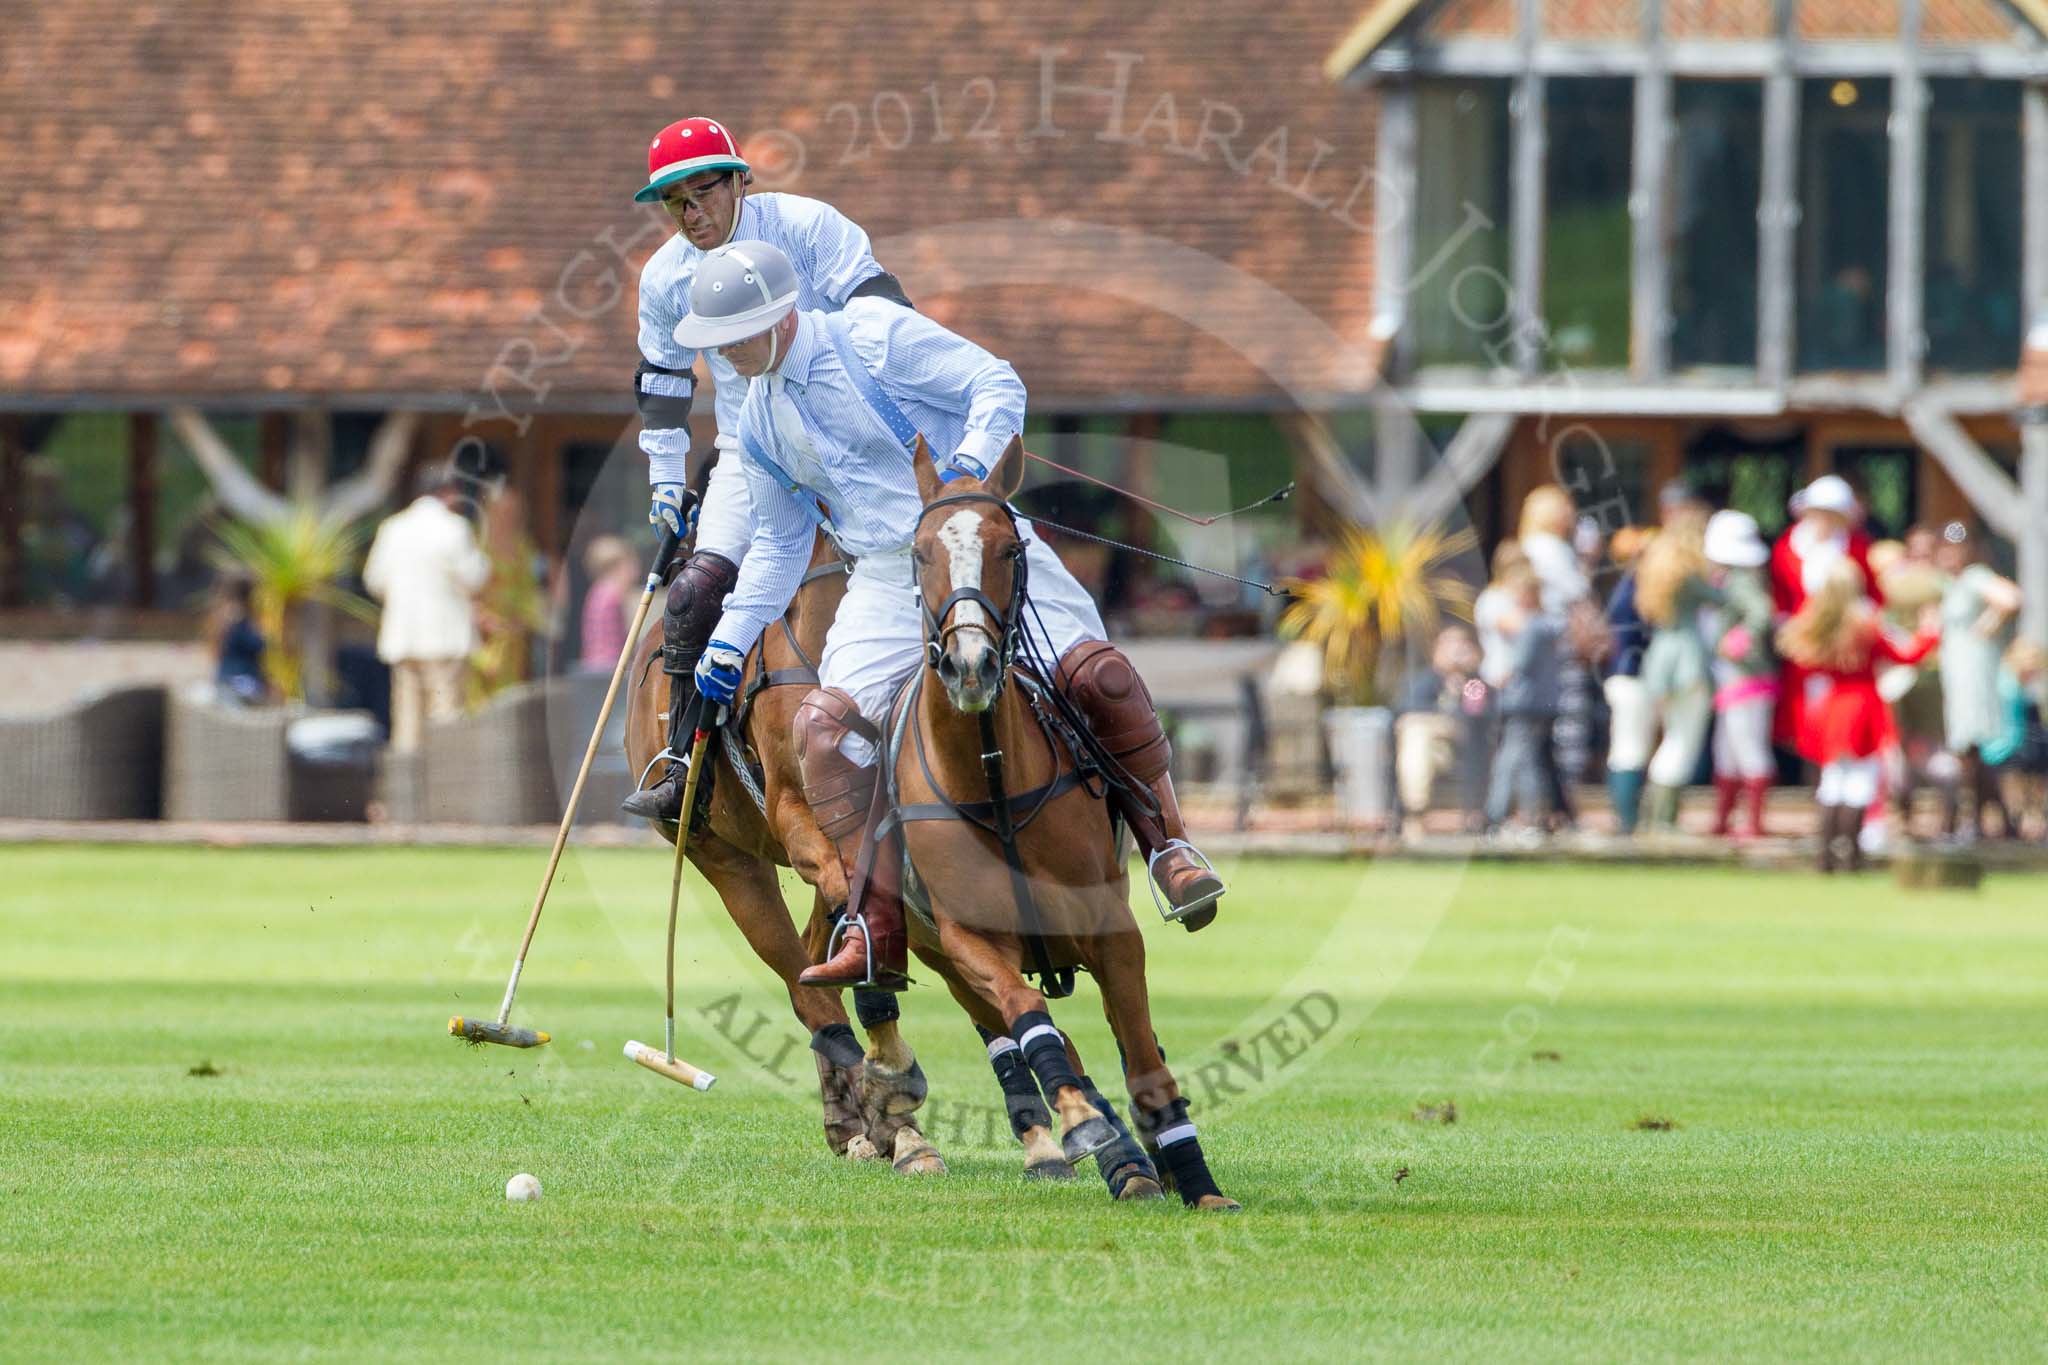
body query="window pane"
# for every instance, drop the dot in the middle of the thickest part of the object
(75, 515)
(1845, 176)
(1973, 225)
(1717, 179)
(1887, 483)
(1586, 229)
(1459, 307)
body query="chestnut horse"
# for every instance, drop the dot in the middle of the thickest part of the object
(737, 847)
(1000, 794)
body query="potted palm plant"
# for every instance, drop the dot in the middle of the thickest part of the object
(1381, 587)
(294, 565)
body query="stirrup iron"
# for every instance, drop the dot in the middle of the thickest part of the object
(1168, 911)
(867, 942)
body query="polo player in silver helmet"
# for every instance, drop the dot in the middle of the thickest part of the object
(822, 428)
(696, 173)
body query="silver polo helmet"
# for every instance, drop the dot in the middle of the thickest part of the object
(741, 290)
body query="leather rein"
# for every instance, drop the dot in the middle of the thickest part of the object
(999, 815)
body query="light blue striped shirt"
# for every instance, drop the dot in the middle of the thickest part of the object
(832, 256)
(964, 400)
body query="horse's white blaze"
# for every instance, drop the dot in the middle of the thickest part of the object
(961, 535)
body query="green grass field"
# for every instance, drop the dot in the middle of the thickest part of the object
(1856, 1080)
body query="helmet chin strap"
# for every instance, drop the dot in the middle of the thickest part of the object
(739, 203)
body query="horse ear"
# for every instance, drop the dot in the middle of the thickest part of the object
(1008, 475)
(928, 484)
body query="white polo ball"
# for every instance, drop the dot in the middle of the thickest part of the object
(522, 1188)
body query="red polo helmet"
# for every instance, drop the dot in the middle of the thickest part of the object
(683, 149)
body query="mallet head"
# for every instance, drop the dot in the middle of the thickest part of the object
(490, 1031)
(657, 1061)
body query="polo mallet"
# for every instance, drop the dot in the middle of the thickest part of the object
(499, 1031)
(665, 1062)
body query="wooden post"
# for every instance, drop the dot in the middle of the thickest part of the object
(1393, 218)
(276, 439)
(1525, 196)
(2034, 201)
(1396, 440)
(1650, 207)
(142, 492)
(1778, 214)
(1905, 345)
(2032, 543)
(13, 511)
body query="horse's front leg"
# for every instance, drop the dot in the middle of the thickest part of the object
(988, 964)
(746, 886)
(1157, 1108)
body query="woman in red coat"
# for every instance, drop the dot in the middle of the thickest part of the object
(1827, 530)
(1839, 641)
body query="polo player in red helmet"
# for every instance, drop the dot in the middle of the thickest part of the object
(696, 173)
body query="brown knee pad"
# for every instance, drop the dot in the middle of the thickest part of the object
(1107, 688)
(838, 792)
(696, 596)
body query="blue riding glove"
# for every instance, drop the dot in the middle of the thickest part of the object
(961, 467)
(718, 672)
(675, 508)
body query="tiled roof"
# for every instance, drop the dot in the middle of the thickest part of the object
(374, 198)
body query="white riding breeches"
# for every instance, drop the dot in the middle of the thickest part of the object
(725, 521)
(877, 639)
(1742, 739)
(1848, 782)
(1632, 724)
(1686, 716)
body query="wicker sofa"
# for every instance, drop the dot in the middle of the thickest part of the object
(99, 758)
(224, 762)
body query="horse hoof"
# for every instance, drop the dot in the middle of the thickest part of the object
(1218, 1203)
(1086, 1138)
(1052, 1168)
(1139, 1187)
(891, 1094)
(860, 1149)
(915, 1156)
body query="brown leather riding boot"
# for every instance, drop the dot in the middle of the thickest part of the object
(1755, 790)
(849, 803)
(874, 950)
(1725, 792)
(1102, 682)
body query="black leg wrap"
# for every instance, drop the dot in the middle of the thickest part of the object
(1020, 1091)
(1123, 1160)
(837, 1045)
(1180, 1154)
(876, 1007)
(1046, 1051)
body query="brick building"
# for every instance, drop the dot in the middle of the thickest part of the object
(1424, 254)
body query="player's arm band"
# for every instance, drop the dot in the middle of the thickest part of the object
(882, 286)
(663, 396)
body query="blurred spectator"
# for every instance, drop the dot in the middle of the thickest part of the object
(1494, 605)
(1910, 581)
(608, 603)
(1631, 718)
(1672, 589)
(426, 569)
(1838, 638)
(1444, 727)
(1548, 517)
(1744, 670)
(1523, 775)
(237, 643)
(1827, 527)
(1975, 606)
(2020, 749)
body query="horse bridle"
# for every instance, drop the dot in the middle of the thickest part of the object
(937, 633)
